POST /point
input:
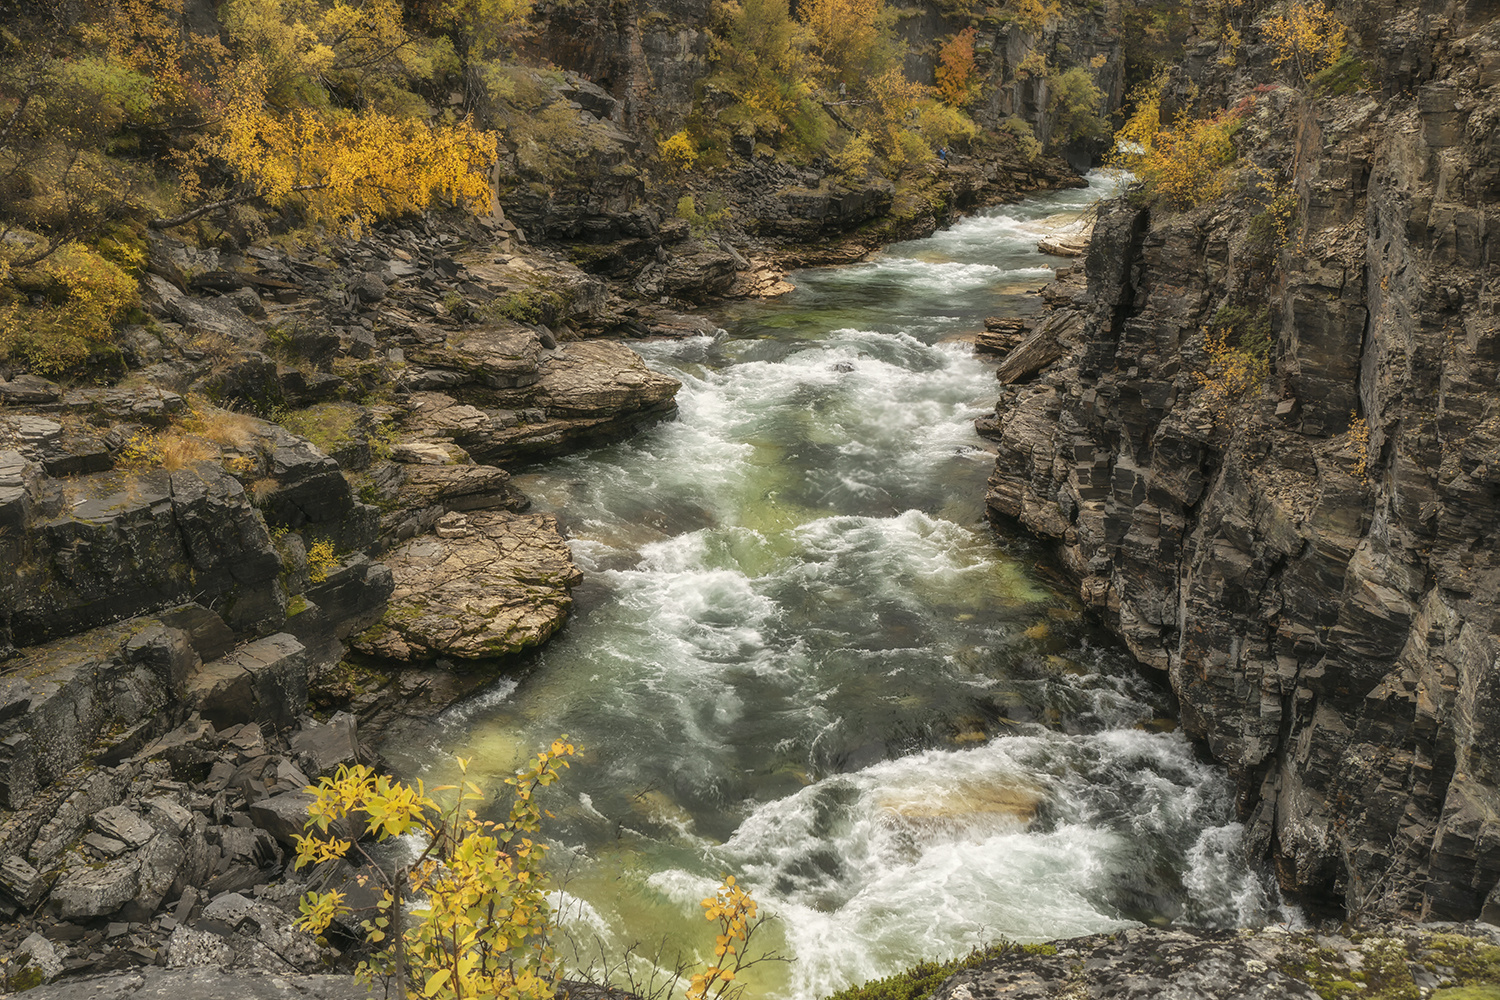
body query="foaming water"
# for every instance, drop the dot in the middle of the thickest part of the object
(801, 656)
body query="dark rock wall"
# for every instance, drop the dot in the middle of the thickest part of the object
(1325, 606)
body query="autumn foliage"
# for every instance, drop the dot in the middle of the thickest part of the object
(352, 168)
(469, 918)
(733, 909)
(1308, 38)
(848, 34)
(1181, 164)
(955, 73)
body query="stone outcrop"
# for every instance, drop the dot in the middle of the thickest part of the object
(574, 395)
(1270, 964)
(205, 984)
(1311, 559)
(486, 585)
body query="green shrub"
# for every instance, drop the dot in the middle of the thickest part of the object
(923, 978)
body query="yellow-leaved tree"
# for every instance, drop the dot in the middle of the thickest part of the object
(1184, 164)
(315, 114)
(469, 918)
(760, 57)
(1308, 37)
(351, 168)
(956, 77)
(898, 102)
(851, 37)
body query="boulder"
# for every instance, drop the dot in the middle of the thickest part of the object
(325, 746)
(490, 584)
(263, 681)
(160, 861)
(87, 892)
(283, 816)
(190, 948)
(168, 816)
(41, 956)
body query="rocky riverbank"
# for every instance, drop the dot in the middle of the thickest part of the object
(302, 459)
(1309, 555)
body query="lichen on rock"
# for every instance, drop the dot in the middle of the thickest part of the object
(487, 584)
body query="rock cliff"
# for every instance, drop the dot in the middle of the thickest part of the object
(1310, 557)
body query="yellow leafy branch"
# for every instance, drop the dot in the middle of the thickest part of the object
(734, 909)
(479, 922)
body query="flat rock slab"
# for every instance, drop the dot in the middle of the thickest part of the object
(121, 823)
(94, 892)
(1070, 241)
(489, 583)
(205, 984)
(499, 357)
(598, 378)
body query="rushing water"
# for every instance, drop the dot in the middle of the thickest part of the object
(802, 657)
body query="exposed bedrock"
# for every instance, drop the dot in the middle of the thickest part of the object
(1312, 561)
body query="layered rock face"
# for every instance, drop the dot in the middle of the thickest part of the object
(1312, 561)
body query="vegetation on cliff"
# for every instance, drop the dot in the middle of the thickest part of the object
(234, 122)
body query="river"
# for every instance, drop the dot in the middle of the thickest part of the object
(802, 657)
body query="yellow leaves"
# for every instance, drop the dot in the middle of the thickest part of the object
(321, 559)
(847, 34)
(734, 910)
(484, 27)
(84, 298)
(1033, 15)
(853, 161)
(479, 922)
(339, 43)
(1234, 370)
(351, 169)
(318, 910)
(314, 851)
(1308, 37)
(1359, 442)
(677, 152)
(1182, 164)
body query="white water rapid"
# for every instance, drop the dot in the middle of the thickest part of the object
(803, 658)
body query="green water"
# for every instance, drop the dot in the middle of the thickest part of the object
(802, 657)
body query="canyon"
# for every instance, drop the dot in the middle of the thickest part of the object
(299, 492)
